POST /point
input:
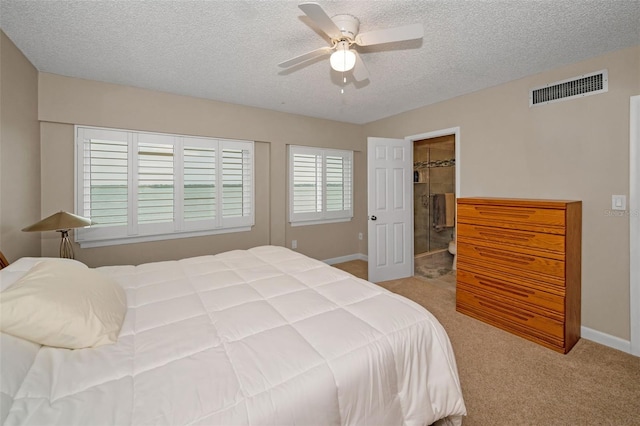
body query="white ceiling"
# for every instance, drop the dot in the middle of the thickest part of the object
(229, 50)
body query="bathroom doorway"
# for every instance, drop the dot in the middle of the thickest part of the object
(434, 189)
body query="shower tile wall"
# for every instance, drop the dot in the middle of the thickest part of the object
(433, 180)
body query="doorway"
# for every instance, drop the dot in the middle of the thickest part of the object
(434, 183)
(389, 256)
(457, 142)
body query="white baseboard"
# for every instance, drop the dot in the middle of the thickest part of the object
(347, 258)
(606, 339)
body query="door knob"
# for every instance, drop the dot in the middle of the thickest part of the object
(374, 218)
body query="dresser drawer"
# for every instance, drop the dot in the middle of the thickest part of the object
(510, 317)
(544, 220)
(527, 292)
(524, 264)
(520, 238)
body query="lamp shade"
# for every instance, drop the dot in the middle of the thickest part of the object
(342, 59)
(58, 222)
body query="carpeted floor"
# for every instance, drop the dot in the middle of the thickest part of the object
(507, 380)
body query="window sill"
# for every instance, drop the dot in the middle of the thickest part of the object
(161, 237)
(320, 222)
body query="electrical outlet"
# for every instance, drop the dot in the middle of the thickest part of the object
(360, 235)
(294, 244)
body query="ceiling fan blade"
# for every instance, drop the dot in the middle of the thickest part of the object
(409, 32)
(360, 71)
(321, 19)
(305, 57)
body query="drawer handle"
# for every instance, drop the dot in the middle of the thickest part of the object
(505, 212)
(505, 287)
(506, 257)
(521, 317)
(514, 236)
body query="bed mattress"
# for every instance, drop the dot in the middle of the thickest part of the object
(265, 336)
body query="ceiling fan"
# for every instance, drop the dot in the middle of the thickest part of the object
(343, 33)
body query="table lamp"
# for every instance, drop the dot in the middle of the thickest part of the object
(61, 222)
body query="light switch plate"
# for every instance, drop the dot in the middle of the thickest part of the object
(618, 202)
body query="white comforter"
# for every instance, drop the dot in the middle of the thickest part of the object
(256, 337)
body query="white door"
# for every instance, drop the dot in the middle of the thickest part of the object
(390, 193)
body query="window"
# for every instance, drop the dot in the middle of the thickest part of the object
(138, 186)
(320, 185)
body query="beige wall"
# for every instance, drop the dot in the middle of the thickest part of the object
(19, 152)
(576, 149)
(66, 101)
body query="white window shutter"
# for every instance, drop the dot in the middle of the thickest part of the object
(320, 185)
(237, 183)
(105, 178)
(141, 186)
(307, 183)
(338, 183)
(155, 182)
(102, 192)
(200, 201)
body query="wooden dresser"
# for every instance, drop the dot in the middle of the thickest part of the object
(519, 266)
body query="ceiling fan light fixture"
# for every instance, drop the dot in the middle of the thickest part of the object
(342, 59)
(344, 31)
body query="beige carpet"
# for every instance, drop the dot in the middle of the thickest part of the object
(507, 380)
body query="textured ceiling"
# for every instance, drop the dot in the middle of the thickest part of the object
(229, 50)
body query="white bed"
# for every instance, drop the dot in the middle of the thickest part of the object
(265, 336)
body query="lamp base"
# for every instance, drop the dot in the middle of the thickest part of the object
(66, 249)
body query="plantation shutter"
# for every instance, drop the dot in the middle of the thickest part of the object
(339, 177)
(200, 200)
(155, 181)
(141, 186)
(320, 183)
(103, 193)
(306, 183)
(237, 183)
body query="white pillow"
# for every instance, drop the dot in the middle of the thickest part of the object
(64, 305)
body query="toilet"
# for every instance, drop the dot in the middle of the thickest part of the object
(452, 250)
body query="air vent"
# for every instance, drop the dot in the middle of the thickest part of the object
(577, 87)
